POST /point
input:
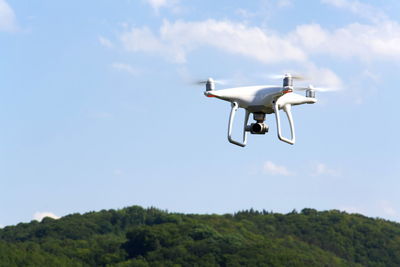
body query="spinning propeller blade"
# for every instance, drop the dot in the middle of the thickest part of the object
(201, 82)
(318, 89)
(280, 76)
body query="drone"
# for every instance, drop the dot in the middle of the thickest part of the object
(261, 100)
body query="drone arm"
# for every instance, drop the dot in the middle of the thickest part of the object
(287, 109)
(235, 107)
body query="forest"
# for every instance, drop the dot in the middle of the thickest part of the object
(135, 236)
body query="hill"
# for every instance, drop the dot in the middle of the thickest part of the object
(135, 236)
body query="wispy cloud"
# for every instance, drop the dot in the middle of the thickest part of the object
(284, 3)
(383, 208)
(271, 168)
(266, 9)
(244, 13)
(175, 40)
(158, 4)
(388, 208)
(142, 40)
(321, 169)
(8, 21)
(378, 40)
(105, 42)
(365, 42)
(40, 215)
(125, 68)
(322, 76)
(356, 7)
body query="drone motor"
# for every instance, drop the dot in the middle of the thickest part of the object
(210, 84)
(310, 93)
(287, 81)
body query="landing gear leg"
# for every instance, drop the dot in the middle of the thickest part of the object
(235, 107)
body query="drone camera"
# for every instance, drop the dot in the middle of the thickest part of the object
(257, 128)
(260, 127)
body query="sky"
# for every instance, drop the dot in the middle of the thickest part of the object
(98, 109)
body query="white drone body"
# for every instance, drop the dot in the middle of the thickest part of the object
(262, 100)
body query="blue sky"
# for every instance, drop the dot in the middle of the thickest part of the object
(97, 110)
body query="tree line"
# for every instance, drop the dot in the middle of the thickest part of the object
(135, 236)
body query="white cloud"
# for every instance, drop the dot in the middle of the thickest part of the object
(356, 7)
(383, 209)
(141, 39)
(105, 42)
(322, 77)
(365, 42)
(321, 169)
(388, 209)
(157, 4)
(244, 13)
(8, 20)
(1, 226)
(318, 76)
(40, 215)
(284, 3)
(265, 10)
(176, 40)
(125, 68)
(271, 168)
(378, 40)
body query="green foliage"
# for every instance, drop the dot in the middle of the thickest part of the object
(140, 242)
(150, 237)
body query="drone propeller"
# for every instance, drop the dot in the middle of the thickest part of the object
(280, 76)
(318, 89)
(201, 82)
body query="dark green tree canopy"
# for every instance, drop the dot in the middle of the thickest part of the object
(135, 236)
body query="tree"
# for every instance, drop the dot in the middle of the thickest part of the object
(140, 241)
